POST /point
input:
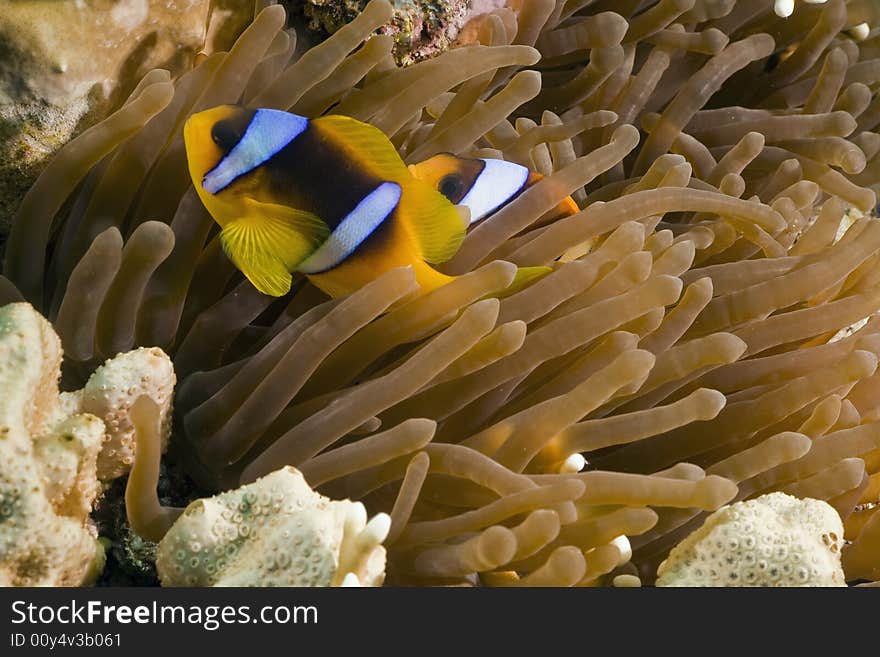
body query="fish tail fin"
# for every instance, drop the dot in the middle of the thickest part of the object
(524, 277)
(429, 278)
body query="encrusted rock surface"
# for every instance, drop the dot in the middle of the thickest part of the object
(421, 28)
(276, 531)
(773, 540)
(64, 68)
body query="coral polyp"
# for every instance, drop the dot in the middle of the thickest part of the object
(802, 538)
(707, 333)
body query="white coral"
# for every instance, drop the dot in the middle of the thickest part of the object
(109, 395)
(276, 531)
(773, 540)
(47, 462)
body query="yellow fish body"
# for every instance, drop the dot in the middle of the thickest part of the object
(329, 198)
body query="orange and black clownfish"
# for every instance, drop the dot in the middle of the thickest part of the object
(327, 197)
(483, 185)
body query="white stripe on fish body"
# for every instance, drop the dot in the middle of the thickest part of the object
(268, 132)
(356, 227)
(497, 183)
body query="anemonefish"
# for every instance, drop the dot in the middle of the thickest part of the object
(483, 185)
(328, 197)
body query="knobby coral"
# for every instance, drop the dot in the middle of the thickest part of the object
(110, 393)
(48, 471)
(772, 540)
(59, 446)
(700, 339)
(274, 532)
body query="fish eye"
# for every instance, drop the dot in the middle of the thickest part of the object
(225, 135)
(452, 187)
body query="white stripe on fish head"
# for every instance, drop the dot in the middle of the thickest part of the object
(268, 132)
(497, 183)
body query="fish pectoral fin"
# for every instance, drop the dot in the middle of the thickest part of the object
(292, 234)
(269, 242)
(266, 272)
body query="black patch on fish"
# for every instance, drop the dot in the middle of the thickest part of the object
(226, 133)
(457, 184)
(452, 187)
(772, 62)
(312, 173)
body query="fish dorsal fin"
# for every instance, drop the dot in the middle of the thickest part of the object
(433, 222)
(269, 241)
(365, 144)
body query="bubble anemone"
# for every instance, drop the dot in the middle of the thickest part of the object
(707, 334)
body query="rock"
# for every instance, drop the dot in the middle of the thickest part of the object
(421, 28)
(63, 69)
(478, 11)
(773, 540)
(228, 20)
(276, 531)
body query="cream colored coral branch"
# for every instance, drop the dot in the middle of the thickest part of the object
(110, 394)
(47, 462)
